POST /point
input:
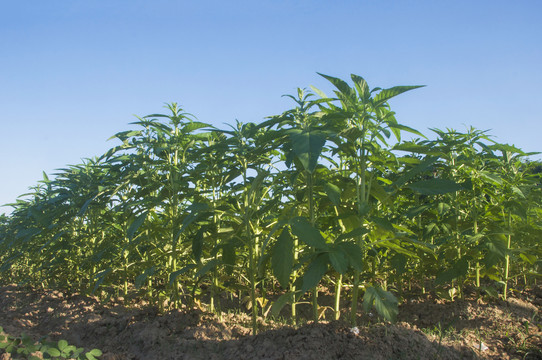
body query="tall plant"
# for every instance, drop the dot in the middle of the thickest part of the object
(367, 122)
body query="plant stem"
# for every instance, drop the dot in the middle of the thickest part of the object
(338, 288)
(507, 257)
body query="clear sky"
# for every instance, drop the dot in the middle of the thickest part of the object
(74, 72)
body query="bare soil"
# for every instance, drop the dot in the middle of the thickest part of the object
(427, 328)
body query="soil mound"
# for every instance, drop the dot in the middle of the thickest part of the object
(427, 329)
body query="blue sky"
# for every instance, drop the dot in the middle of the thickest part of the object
(73, 73)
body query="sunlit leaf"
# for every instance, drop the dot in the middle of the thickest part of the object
(387, 94)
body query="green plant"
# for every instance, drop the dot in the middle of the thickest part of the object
(326, 195)
(24, 347)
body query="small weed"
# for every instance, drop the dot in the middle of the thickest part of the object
(24, 347)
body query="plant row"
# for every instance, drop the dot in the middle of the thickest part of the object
(328, 194)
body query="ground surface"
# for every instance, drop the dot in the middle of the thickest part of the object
(427, 329)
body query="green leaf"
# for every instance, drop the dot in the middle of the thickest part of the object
(507, 148)
(278, 225)
(361, 86)
(495, 179)
(339, 84)
(256, 184)
(193, 126)
(100, 277)
(77, 352)
(62, 344)
(518, 192)
(497, 246)
(417, 210)
(197, 244)
(379, 193)
(196, 210)
(398, 262)
(53, 352)
(207, 267)
(459, 268)
(364, 208)
(135, 225)
(528, 258)
(303, 229)
(141, 278)
(338, 260)
(420, 168)
(319, 92)
(333, 192)
(91, 355)
(474, 239)
(85, 206)
(435, 186)
(387, 94)
(443, 208)
(383, 223)
(415, 148)
(125, 134)
(315, 272)
(228, 256)
(353, 253)
(491, 291)
(95, 352)
(173, 276)
(282, 260)
(386, 303)
(357, 232)
(68, 350)
(26, 340)
(406, 128)
(307, 146)
(284, 299)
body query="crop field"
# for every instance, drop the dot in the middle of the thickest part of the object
(330, 218)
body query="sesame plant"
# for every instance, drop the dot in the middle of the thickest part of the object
(326, 196)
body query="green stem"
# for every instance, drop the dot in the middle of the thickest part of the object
(251, 255)
(360, 192)
(477, 262)
(294, 278)
(339, 284)
(125, 287)
(338, 288)
(507, 258)
(313, 221)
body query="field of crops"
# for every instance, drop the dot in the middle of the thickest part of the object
(325, 196)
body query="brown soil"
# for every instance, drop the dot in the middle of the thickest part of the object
(426, 329)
